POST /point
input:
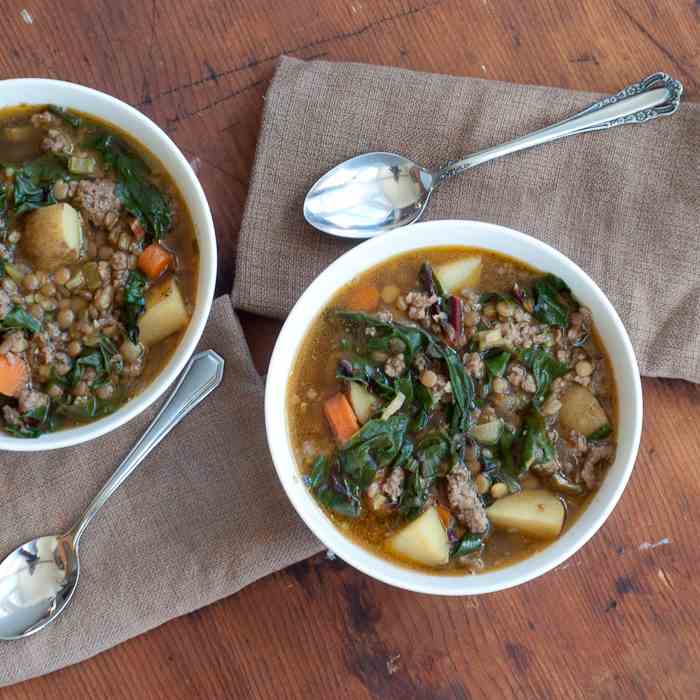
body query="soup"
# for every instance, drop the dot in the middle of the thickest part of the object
(98, 269)
(453, 410)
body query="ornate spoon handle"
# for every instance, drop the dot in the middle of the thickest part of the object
(655, 96)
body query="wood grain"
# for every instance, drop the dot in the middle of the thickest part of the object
(617, 620)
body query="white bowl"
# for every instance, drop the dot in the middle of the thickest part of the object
(40, 92)
(501, 240)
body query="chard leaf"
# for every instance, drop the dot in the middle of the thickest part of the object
(62, 113)
(600, 434)
(535, 447)
(134, 303)
(496, 364)
(17, 317)
(468, 544)
(373, 447)
(545, 370)
(551, 305)
(331, 492)
(412, 337)
(33, 184)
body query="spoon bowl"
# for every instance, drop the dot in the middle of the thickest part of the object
(37, 581)
(371, 192)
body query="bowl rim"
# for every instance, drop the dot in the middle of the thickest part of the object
(375, 251)
(119, 112)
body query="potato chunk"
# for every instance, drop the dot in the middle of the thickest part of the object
(165, 313)
(460, 274)
(581, 411)
(363, 403)
(536, 513)
(52, 236)
(423, 541)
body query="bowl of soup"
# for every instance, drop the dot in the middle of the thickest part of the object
(454, 407)
(107, 263)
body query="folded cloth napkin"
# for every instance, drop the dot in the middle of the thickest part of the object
(624, 204)
(193, 523)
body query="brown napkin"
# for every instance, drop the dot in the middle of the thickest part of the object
(624, 204)
(190, 526)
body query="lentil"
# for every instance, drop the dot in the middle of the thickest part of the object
(499, 490)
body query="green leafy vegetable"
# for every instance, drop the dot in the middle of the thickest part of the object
(332, 492)
(600, 434)
(412, 337)
(433, 451)
(416, 491)
(24, 431)
(545, 370)
(551, 307)
(374, 446)
(35, 422)
(139, 196)
(468, 544)
(99, 358)
(18, 318)
(496, 364)
(71, 119)
(429, 455)
(364, 372)
(424, 404)
(404, 385)
(462, 387)
(86, 408)
(33, 185)
(505, 447)
(535, 447)
(134, 303)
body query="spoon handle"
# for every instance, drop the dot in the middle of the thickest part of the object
(655, 96)
(202, 375)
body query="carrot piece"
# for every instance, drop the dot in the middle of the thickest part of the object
(154, 261)
(444, 515)
(363, 299)
(13, 375)
(341, 417)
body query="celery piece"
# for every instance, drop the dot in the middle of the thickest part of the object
(81, 166)
(14, 272)
(92, 275)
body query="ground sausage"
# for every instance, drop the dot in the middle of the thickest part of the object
(43, 119)
(56, 141)
(5, 303)
(464, 500)
(11, 415)
(596, 454)
(393, 486)
(96, 198)
(29, 399)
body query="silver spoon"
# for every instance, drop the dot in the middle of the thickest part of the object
(38, 579)
(376, 192)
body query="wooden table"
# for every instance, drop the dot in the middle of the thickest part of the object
(618, 620)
